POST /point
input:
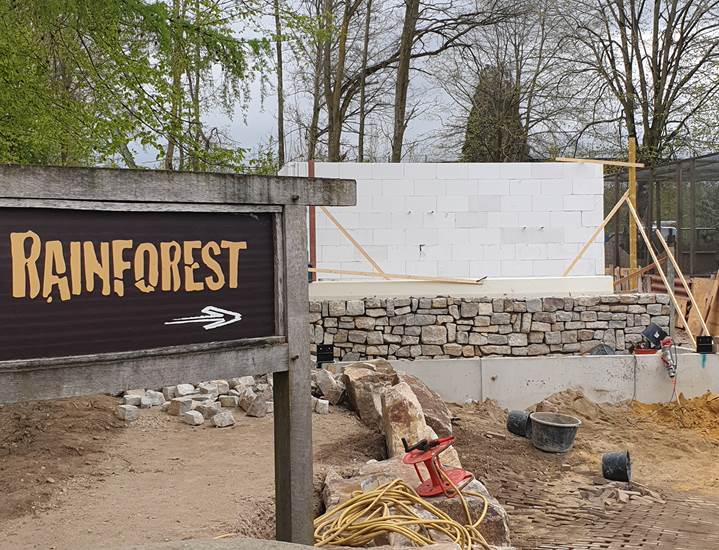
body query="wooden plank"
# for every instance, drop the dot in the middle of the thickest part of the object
(394, 276)
(292, 394)
(678, 270)
(112, 184)
(601, 161)
(118, 206)
(640, 271)
(711, 307)
(38, 379)
(701, 288)
(633, 200)
(653, 254)
(596, 233)
(351, 239)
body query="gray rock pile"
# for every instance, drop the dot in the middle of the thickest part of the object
(214, 401)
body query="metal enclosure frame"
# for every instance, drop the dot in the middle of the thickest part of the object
(285, 354)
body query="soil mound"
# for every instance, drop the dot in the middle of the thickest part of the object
(700, 414)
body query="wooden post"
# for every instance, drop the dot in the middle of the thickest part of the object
(671, 276)
(595, 234)
(675, 265)
(313, 223)
(633, 200)
(670, 290)
(292, 394)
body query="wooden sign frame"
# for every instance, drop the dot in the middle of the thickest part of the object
(285, 354)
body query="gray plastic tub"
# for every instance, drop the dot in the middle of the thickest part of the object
(554, 432)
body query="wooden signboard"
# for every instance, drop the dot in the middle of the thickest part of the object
(119, 279)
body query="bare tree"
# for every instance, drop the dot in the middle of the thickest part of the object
(409, 29)
(657, 60)
(280, 87)
(363, 83)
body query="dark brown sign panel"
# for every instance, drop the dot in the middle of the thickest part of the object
(78, 282)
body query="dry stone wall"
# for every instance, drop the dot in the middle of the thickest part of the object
(446, 327)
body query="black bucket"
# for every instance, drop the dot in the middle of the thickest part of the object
(554, 432)
(617, 466)
(519, 423)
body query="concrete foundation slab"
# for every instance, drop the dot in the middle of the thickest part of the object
(495, 286)
(518, 382)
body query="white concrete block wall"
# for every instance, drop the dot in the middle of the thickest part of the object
(464, 219)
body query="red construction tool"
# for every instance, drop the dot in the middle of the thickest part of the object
(427, 452)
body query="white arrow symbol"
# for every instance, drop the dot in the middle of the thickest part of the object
(213, 316)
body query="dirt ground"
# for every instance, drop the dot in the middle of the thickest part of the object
(72, 476)
(676, 458)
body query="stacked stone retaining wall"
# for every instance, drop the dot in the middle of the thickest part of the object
(446, 327)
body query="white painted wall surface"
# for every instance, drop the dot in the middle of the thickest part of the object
(518, 382)
(464, 219)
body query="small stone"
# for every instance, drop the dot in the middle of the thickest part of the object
(178, 405)
(229, 400)
(209, 410)
(355, 307)
(244, 381)
(258, 407)
(133, 400)
(434, 334)
(169, 392)
(185, 389)
(223, 386)
(155, 398)
(128, 413)
(322, 406)
(193, 418)
(208, 388)
(223, 419)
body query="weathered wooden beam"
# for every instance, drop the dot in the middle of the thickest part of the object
(53, 378)
(601, 161)
(105, 184)
(292, 394)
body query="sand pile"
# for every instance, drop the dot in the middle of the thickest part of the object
(700, 414)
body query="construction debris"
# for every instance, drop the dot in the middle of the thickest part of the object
(606, 495)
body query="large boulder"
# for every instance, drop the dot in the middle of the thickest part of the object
(364, 382)
(330, 388)
(494, 527)
(402, 417)
(436, 412)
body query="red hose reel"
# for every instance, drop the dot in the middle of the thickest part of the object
(427, 452)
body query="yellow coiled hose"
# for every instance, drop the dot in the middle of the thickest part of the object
(393, 508)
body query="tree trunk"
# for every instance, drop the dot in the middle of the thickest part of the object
(280, 90)
(363, 84)
(400, 94)
(334, 103)
(175, 91)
